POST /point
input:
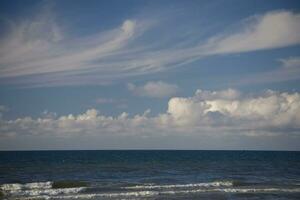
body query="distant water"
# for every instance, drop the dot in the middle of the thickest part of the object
(150, 175)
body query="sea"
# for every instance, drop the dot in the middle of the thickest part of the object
(149, 174)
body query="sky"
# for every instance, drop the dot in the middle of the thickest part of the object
(133, 74)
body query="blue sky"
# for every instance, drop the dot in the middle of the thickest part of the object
(185, 74)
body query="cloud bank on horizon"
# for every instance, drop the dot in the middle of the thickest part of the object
(207, 113)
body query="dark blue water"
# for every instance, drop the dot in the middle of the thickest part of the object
(150, 175)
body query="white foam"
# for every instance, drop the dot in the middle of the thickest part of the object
(27, 186)
(107, 195)
(44, 190)
(51, 192)
(235, 190)
(35, 190)
(146, 193)
(209, 184)
(259, 190)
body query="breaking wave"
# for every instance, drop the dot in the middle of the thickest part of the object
(209, 184)
(34, 190)
(27, 186)
(170, 192)
(45, 190)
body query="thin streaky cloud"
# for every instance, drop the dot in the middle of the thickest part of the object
(52, 59)
(288, 70)
(273, 30)
(291, 62)
(154, 89)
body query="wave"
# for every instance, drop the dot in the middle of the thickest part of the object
(45, 190)
(69, 184)
(26, 186)
(239, 190)
(43, 185)
(36, 192)
(260, 190)
(146, 193)
(103, 195)
(208, 184)
(38, 189)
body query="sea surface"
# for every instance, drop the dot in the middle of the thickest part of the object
(157, 174)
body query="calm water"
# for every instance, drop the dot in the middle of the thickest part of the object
(150, 175)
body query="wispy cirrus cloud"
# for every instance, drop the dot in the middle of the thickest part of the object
(3, 109)
(28, 52)
(101, 100)
(158, 89)
(291, 62)
(273, 30)
(38, 52)
(119, 103)
(288, 70)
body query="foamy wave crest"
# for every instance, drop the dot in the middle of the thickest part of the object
(36, 190)
(106, 195)
(27, 186)
(131, 195)
(209, 184)
(147, 193)
(236, 190)
(46, 190)
(50, 192)
(259, 190)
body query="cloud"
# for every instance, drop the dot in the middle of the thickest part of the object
(38, 51)
(152, 89)
(101, 100)
(290, 63)
(35, 54)
(223, 94)
(207, 113)
(3, 108)
(272, 30)
(271, 110)
(118, 103)
(288, 70)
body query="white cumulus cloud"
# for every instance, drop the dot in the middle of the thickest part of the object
(207, 112)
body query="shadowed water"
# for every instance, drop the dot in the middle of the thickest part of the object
(150, 175)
